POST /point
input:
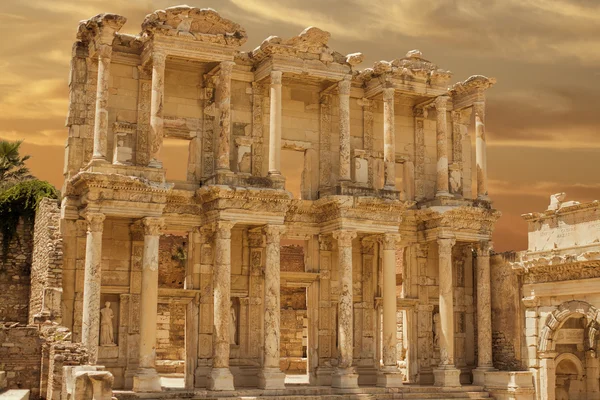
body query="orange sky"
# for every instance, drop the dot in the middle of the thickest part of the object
(543, 116)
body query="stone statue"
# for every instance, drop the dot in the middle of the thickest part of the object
(232, 323)
(436, 330)
(106, 326)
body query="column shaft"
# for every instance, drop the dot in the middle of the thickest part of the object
(389, 139)
(90, 329)
(271, 376)
(344, 95)
(442, 147)
(344, 376)
(390, 374)
(102, 93)
(480, 150)
(156, 108)
(146, 379)
(446, 302)
(224, 105)
(220, 376)
(275, 124)
(484, 308)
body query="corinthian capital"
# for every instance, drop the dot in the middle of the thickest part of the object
(95, 222)
(483, 248)
(344, 237)
(153, 226)
(441, 102)
(388, 94)
(276, 77)
(274, 232)
(445, 245)
(390, 241)
(227, 68)
(344, 86)
(159, 59)
(223, 229)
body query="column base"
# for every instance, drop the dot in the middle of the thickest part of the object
(220, 379)
(155, 163)
(390, 377)
(344, 378)
(447, 377)
(271, 378)
(443, 194)
(479, 375)
(146, 380)
(483, 197)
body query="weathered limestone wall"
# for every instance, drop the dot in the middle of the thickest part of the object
(170, 337)
(172, 255)
(20, 357)
(15, 269)
(507, 321)
(293, 319)
(46, 268)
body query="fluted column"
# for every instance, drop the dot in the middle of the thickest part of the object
(224, 105)
(389, 375)
(146, 378)
(345, 376)
(442, 189)
(220, 376)
(389, 139)
(344, 95)
(156, 108)
(271, 376)
(90, 329)
(480, 150)
(102, 93)
(484, 313)
(446, 374)
(275, 125)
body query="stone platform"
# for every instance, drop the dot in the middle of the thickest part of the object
(296, 392)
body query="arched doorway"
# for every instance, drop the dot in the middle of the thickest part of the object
(570, 378)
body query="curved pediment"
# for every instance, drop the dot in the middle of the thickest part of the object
(202, 24)
(99, 26)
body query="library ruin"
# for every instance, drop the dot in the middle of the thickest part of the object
(373, 277)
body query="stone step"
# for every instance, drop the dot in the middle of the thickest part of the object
(15, 394)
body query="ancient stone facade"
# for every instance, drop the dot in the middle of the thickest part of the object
(554, 289)
(387, 170)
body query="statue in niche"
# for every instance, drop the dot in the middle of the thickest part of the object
(232, 323)
(106, 326)
(437, 325)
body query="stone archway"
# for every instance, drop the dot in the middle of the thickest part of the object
(558, 371)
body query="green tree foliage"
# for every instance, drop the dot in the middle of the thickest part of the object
(12, 165)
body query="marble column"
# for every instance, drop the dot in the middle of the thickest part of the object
(345, 375)
(146, 378)
(344, 95)
(220, 376)
(446, 374)
(224, 106)
(484, 314)
(275, 124)
(480, 150)
(156, 108)
(271, 376)
(102, 93)
(389, 375)
(442, 189)
(90, 329)
(389, 139)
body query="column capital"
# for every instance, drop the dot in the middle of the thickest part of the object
(274, 232)
(483, 248)
(95, 221)
(159, 59)
(390, 241)
(446, 244)
(344, 86)
(441, 102)
(388, 94)
(227, 67)
(223, 229)
(104, 51)
(276, 77)
(153, 226)
(344, 237)
(479, 107)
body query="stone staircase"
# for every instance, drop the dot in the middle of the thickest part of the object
(301, 392)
